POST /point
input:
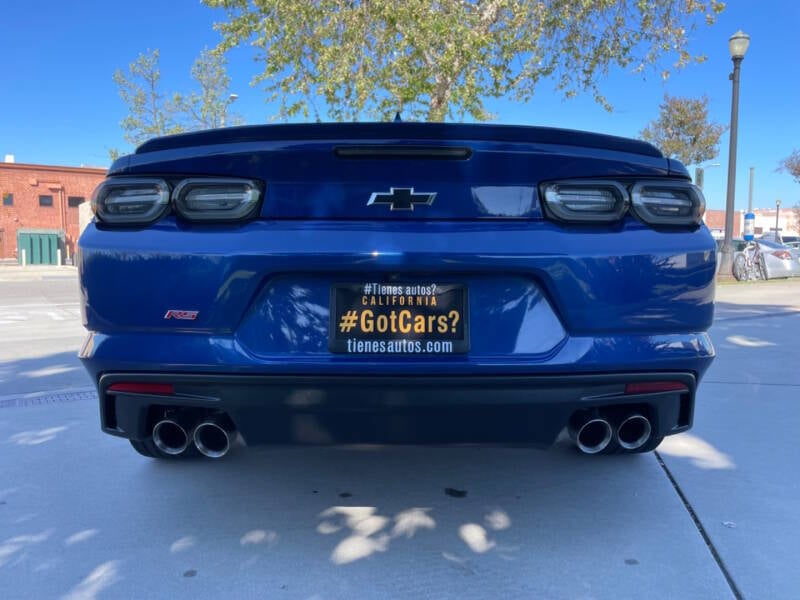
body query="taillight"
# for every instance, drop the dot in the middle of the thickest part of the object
(668, 203)
(130, 201)
(782, 254)
(216, 199)
(584, 201)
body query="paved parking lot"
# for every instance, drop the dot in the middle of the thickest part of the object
(713, 515)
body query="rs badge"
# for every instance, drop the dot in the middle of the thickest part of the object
(183, 315)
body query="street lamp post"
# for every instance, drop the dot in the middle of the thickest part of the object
(737, 45)
(777, 217)
(700, 174)
(231, 98)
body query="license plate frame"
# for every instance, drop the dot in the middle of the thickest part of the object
(445, 333)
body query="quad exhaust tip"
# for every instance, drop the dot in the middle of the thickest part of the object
(170, 437)
(213, 437)
(594, 436)
(634, 432)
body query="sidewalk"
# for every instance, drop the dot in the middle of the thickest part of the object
(15, 272)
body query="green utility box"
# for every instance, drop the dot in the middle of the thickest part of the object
(40, 245)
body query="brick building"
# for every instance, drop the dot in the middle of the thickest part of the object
(788, 221)
(43, 198)
(715, 221)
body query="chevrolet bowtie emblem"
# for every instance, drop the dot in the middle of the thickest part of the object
(401, 198)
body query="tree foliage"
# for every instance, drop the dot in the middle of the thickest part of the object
(434, 60)
(150, 112)
(791, 165)
(207, 107)
(683, 130)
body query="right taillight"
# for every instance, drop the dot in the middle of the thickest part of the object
(668, 203)
(585, 200)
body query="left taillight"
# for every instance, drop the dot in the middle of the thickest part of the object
(206, 199)
(782, 254)
(130, 201)
(144, 200)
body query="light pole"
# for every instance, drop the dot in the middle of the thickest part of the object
(777, 217)
(737, 45)
(700, 174)
(232, 98)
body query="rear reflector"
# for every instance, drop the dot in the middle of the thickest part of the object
(585, 201)
(165, 389)
(653, 387)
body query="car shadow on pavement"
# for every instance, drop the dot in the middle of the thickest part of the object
(81, 512)
(751, 343)
(51, 372)
(729, 311)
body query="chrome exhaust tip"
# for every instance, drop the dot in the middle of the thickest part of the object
(634, 432)
(170, 437)
(213, 437)
(592, 435)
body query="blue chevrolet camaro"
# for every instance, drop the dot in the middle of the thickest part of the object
(396, 283)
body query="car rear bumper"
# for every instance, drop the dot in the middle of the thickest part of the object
(514, 409)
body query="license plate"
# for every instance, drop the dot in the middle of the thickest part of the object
(399, 318)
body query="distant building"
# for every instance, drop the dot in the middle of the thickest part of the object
(41, 200)
(788, 222)
(715, 221)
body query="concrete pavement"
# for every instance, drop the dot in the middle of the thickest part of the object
(738, 467)
(40, 330)
(83, 516)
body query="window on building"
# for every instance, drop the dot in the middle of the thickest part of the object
(45, 201)
(75, 201)
(8, 199)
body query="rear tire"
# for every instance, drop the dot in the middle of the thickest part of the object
(762, 268)
(740, 268)
(149, 449)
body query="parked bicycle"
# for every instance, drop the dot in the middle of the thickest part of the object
(749, 265)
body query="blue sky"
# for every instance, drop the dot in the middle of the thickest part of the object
(59, 105)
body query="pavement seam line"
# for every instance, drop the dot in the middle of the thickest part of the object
(43, 398)
(751, 383)
(702, 530)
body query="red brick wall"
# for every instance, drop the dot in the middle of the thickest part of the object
(27, 183)
(715, 219)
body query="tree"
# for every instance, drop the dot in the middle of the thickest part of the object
(150, 114)
(683, 131)
(791, 165)
(208, 107)
(434, 60)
